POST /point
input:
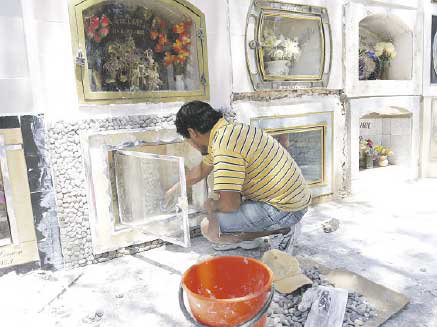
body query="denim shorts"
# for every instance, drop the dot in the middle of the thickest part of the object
(257, 216)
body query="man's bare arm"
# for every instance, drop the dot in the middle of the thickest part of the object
(228, 202)
(197, 173)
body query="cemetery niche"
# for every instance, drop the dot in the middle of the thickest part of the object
(287, 45)
(139, 50)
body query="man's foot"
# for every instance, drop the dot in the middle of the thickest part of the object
(246, 245)
(285, 241)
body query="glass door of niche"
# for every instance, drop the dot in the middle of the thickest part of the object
(139, 50)
(142, 180)
(307, 147)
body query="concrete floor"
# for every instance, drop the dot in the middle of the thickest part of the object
(388, 234)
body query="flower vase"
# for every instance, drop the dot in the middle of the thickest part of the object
(383, 69)
(170, 77)
(382, 161)
(277, 67)
(369, 161)
(180, 85)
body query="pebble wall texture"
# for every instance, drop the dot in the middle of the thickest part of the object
(69, 177)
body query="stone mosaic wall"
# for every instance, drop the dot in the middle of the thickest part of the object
(71, 188)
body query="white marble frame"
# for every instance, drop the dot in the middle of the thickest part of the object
(363, 106)
(429, 89)
(354, 13)
(247, 110)
(7, 187)
(95, 146)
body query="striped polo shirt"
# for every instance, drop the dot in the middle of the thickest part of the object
(251, 162)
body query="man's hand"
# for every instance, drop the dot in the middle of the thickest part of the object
(170, 197)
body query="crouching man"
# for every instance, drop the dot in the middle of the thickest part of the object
(247, 164)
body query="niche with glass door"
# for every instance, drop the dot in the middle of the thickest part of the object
(288, 45)
(139, 50)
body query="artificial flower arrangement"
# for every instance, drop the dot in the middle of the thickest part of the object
(280, 48)
(97, 27)
(385, 51)
(383, 151)
(373, 63)
(173, 42)
(367, 148)
(128, 60)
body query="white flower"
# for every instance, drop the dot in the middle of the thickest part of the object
(291, 49)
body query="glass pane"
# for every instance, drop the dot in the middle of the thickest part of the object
(140, 45)
(142, 181)
(196, 194)
(306, 148)
(5, 231)
(292, 45)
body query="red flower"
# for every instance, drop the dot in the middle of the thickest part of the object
(163, 39)
(104, 21)
(158, 48)
(169, 58)
(153, 35)
(94, 23)
(179, 28)
(185, 38)
(104, 31)
(178, 46)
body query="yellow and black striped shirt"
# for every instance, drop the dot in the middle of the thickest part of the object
(249, 161)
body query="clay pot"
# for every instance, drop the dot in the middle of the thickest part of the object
(382, 161)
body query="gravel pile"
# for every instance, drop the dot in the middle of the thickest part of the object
(284, 309)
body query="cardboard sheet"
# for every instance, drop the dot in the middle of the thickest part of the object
(386, 302)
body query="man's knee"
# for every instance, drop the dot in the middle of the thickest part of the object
(207, 233)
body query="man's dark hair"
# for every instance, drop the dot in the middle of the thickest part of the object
(197, 115)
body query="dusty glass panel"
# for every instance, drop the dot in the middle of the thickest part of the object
(5, 231)
(195, 193)
(142, 180)
(306, 147)
(140, 45)
(292, 46)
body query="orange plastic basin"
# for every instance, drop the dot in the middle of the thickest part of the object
(227, 291)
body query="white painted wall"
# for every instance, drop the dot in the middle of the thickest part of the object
(52, 64)
(15, 84)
